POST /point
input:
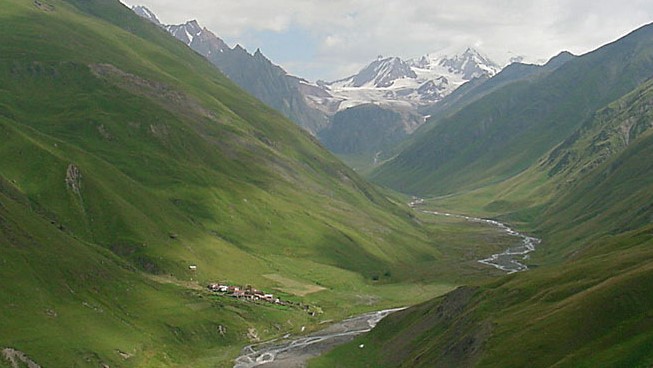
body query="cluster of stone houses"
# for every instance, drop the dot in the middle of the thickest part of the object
(247, 293)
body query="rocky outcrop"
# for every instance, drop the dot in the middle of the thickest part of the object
(74, 179)
(15, 358)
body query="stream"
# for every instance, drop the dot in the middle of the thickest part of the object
(509, 259)
(295, 351)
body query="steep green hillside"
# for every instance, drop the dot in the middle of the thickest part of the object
(589, 303)
(127, 158)
(67, 302)
(604, 173)
(593, 312)
(596, 182)
(159, 150)
(506, 131)
(477, 88)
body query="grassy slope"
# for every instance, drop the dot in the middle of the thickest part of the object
(71, 303)
(607, 168)
(211, 166)
(591, 305)
(595, 309)
(593, 312)
(506, 131)
(596, 182)
(176, 166)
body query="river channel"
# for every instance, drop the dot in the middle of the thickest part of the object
(295, 351)
(510, 260)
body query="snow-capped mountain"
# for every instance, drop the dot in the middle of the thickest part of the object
(147, 14)
(379, 74)
(191, 33)
(397, 83)
(186, 32)
(470, 64)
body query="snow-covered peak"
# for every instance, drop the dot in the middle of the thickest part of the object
(146, 13)
(186, 32)
(471, 64)
(516, 59)
(190, 33)
(392, 81)
(381, 73)
(468, 64)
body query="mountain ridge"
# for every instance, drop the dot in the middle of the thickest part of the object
(253, 72)
(468, 147)
(407, 84)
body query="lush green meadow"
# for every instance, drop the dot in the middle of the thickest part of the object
(127, 158)
(586, 300)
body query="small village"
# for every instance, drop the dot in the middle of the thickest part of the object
(250, 294)
(246, 293)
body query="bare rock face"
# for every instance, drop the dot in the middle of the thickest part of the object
(74, 179)
(15, 358)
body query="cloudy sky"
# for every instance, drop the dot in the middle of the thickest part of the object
(329, 39)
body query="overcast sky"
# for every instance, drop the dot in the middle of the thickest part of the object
(329, 39)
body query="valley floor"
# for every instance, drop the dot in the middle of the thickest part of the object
(296, 351)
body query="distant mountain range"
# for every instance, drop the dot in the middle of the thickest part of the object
(366, 135)
(396, 83)
(497, 132)
(389, 82)
(381, 106)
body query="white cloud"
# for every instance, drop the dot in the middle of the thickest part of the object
(352, 32)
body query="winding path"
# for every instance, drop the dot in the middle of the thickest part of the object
(295, 351)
